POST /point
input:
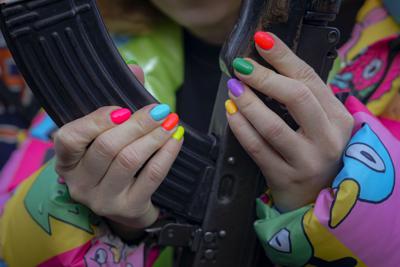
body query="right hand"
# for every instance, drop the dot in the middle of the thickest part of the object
(115, 168)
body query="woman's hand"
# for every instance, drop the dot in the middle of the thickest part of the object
(113, 161)
(296, 164)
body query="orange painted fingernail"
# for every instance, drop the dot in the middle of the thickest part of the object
(264, 40)
(170, 122)
(120, 115)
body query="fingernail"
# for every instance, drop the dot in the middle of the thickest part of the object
(132, 62)
(170, 122)
(236, 87)
(230, 107)
(120, 115)
(160, 112)
(264, 40)
(179, 133)
(243, 66)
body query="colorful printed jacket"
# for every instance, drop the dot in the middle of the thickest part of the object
(354, 222)
(42, 226)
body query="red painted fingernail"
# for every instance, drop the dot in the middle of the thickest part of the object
(120, 115)
(264, 40)
(170, 122)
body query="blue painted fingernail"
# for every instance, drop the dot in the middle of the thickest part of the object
(160, 112)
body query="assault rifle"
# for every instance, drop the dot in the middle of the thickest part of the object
(70, 62)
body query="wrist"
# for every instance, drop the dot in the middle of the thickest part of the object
(288, 201)
(134, 228)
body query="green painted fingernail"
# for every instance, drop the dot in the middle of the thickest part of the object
(243, 66)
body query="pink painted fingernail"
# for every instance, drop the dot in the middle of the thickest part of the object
(236, 87)
(120, 115)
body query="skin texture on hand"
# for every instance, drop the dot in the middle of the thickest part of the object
(113, 161)
(296, 164)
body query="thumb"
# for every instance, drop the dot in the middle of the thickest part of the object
(137, 71)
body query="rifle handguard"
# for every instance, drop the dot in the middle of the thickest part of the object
(68, 59)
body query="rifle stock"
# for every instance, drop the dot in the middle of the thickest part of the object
(213, 184)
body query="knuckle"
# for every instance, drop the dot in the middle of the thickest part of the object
(275, 130)
(129, 158)
(104, 146)
(156, 173)
(313, 168)
(263, 79)
(64, 139)
(301, 95)
(96, 118)
(245, 104)
(335, 150)
(305, 72)
(254, 148)
(100, 112)
(141, 121)
(159, 136)
(281, 53)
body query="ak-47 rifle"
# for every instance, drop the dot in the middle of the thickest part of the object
(70, 62)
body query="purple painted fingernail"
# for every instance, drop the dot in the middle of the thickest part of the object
(236, 87)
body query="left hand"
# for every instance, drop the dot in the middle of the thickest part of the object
(297, 164)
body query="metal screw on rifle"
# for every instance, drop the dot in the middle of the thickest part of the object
(231, 160)
(209, 254)
(222, 233)
(208, 237)
(333, 36)
(171, 233)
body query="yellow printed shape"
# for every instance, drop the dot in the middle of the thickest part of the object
(324, 243)
(367, 7)
(345, 199)
(378, 106)
(392, 112)
(374, 33)
(24, 243)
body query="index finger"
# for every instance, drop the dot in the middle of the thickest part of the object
(287, 63)
(72, 140)
(284, 60)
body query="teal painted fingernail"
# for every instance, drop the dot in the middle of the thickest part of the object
(160, 112)
(243, 66)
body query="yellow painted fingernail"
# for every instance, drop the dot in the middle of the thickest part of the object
(179, 133)
(230, 107)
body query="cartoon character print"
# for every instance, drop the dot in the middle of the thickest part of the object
(110, 251)
(368, 175)
(371, 75)
(346, 218)
(49, 197)
(360, 210)
(374, 16)
(288, 241)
